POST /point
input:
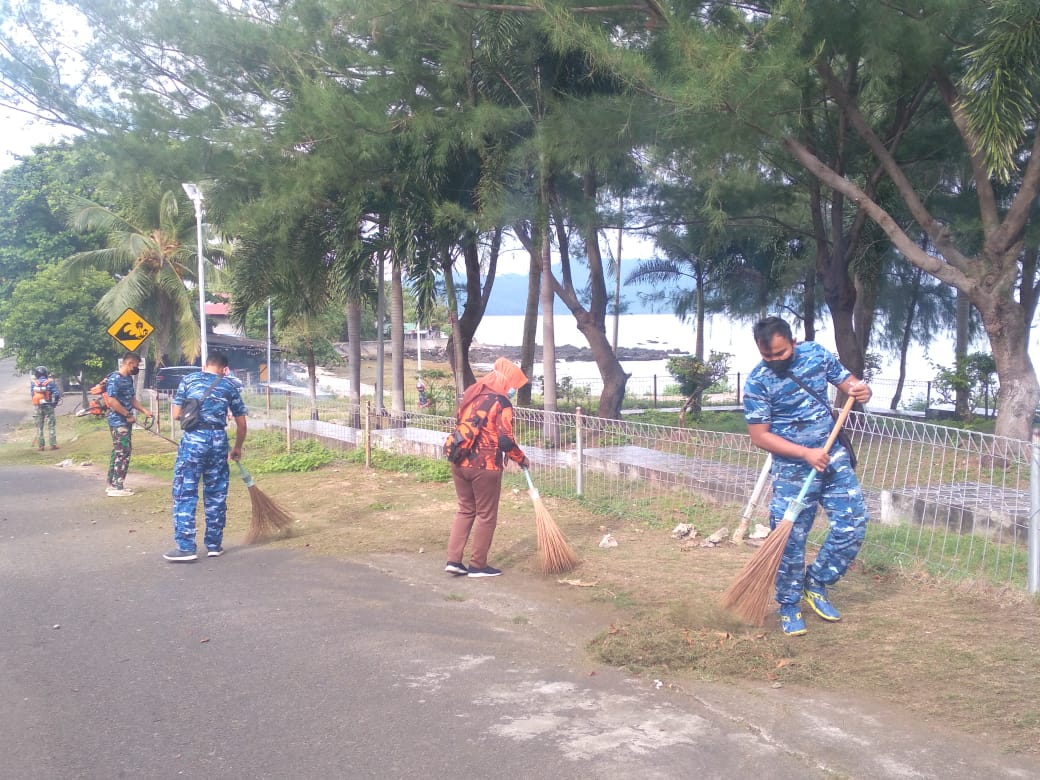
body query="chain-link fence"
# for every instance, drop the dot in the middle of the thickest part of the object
(954, 502)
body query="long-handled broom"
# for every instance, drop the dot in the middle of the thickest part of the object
(752, 504)
(554, 554)
(749, 595)
(268, 518)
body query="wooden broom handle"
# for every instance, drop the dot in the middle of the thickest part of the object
(842, 417)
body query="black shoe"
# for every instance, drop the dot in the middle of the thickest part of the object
(456, 568)
(214, 552)
(487, 571)
(180, 556)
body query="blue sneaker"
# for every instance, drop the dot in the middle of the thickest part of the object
(791, 620)
(816, 595)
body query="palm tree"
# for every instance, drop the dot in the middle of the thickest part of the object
(290, 258)
(154, 266)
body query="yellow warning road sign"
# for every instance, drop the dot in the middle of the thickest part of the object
(130, 329)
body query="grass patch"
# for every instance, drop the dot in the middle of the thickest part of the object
(306, 455)
(422, 469)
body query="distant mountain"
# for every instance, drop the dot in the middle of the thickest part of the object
(509, 295)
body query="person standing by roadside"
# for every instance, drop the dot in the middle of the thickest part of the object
(203, 454)
(787, 413)
(478, 480)
(45, 396)
(121, 399)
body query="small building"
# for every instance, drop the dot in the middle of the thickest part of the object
(247, 358)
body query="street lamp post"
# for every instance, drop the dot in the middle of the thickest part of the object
(195, 194)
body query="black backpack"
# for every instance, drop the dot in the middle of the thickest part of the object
(461, 444)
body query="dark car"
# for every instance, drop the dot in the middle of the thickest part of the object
(168, 378)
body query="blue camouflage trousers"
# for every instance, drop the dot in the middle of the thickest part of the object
(201, 455)
(837, 490)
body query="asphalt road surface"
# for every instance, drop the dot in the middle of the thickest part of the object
(267, 663)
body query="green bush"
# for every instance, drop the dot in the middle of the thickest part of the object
(306, 455)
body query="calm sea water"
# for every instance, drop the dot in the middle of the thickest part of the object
(667, 332)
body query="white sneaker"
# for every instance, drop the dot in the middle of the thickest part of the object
(118, 492)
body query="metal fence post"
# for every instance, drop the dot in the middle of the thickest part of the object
(579, 460)
(288, 423)
(655, 391)
(1033, 561)
(368, 434)
(738, 388)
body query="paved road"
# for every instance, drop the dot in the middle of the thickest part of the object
(268, 663)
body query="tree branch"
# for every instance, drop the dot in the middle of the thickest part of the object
(945, 272)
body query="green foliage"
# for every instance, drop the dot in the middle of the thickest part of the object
(695, 375)
(306, 455)
(976, 374)
(32, 231)
(422, 469)
(725, 422)
(440, 392)
(51, 320)
(571, 394)
(1001, 84)
(149, 250)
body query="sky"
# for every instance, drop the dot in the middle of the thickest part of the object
(18, 136)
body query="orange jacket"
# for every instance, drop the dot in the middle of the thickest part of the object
(496, 437)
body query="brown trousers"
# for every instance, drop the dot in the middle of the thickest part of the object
(478, 491)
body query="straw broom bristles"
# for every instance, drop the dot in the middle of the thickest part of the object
(555, 555)
(749, 595)
(268, 519)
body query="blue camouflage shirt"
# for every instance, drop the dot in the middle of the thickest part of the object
(122, 389)
(789, 411)
(223, 398)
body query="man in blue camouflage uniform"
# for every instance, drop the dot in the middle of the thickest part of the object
(203, 455)
(794, 425)
(45, 396)
(121, 400)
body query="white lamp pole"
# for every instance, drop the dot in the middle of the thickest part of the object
(418, 347)
(270, 375)
(193, 192)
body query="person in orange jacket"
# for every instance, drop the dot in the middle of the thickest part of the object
(478, 480)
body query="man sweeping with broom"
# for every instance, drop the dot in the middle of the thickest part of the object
(202, 454)
(788, 415)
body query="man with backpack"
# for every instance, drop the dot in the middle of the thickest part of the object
(202, 403)
(478, 450)
(45, 396)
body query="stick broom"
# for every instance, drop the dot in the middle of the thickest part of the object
(752, 505)
(268, 518)
(554, 554)
(749, 595)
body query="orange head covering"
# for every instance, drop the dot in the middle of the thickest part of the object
(505, 376)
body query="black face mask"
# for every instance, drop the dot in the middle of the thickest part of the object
(136, 371)
(780, 367)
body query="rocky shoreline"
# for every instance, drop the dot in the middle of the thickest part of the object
(485, 353)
